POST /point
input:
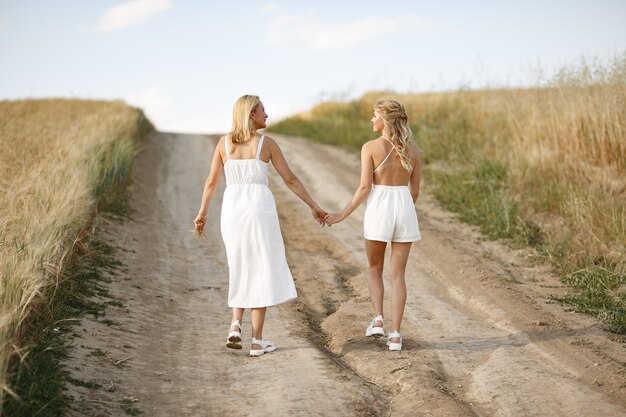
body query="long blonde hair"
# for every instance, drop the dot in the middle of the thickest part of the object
(396, 128)
(243, 128)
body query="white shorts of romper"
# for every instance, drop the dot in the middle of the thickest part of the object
(390, 215)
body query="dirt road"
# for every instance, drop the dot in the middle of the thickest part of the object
(480, 335)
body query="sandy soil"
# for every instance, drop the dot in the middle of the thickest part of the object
(481, 337)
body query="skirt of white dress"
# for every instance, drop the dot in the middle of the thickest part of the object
(258, 272)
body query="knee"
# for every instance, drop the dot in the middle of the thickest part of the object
(376, 269)
(397, 277)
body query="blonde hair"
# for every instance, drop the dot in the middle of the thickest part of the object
(396, 128)
(243, 128)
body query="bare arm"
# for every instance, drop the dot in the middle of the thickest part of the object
(361, 193)
(213, 180)
(414, 182)
(291, 180)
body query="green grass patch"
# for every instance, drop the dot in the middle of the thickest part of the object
(598, 291)
(481, 195)
(39, 377)
(345, 125)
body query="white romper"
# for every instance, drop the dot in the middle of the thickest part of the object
(258, 272)
(390, 213)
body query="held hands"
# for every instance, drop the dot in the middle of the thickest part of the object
(318, 215)
(333, 218)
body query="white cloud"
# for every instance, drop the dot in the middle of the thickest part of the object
(155, 101)
(130, 13)
(319, 36)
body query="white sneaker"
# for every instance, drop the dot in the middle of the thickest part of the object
(266, 347)
(375, 331)
(392, 345)
(234, 338)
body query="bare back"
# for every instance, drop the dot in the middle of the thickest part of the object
(246, 150)
(388, 169)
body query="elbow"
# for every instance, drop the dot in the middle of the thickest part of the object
(210, 185)
(291, 180)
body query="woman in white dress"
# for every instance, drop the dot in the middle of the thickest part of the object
(390, 181)
(259, 276)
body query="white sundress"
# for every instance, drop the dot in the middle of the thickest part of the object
(257, 268)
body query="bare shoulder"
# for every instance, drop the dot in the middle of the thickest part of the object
(269, 140)
(219, 148)
(370, 144)
(271, 150)
(270, 144)
(415, 150)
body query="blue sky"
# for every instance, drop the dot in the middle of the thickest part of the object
(186, 61)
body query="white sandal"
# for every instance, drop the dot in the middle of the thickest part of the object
(392, 345)
(266, 347)
(234, 338)
(375, 331)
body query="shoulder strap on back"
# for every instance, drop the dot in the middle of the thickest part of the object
(393, 148)
(226, 140)
(258, 150)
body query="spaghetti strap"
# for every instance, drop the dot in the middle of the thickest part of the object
(388, 155)
(258, 150)
(384, 160)
(226, 139)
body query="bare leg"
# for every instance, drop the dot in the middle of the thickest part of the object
(257, 319)
(399, 257)
(237, 315)
(376, 259)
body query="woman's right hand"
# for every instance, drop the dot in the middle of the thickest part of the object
(319, 214)
(333, 218)
(199, 223)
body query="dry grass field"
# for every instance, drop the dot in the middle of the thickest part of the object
(544, 167)
(59, 159)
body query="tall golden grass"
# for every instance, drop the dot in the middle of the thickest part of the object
(56, 159)
(553, 159)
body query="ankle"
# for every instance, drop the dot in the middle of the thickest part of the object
(394, 334)
(235, 326)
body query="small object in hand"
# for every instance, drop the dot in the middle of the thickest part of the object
(199, 230)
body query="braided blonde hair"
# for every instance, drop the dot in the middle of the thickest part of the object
(396, 128)
(243, 128)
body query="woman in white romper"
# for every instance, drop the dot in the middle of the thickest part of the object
(390, 180)
(259, 276)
